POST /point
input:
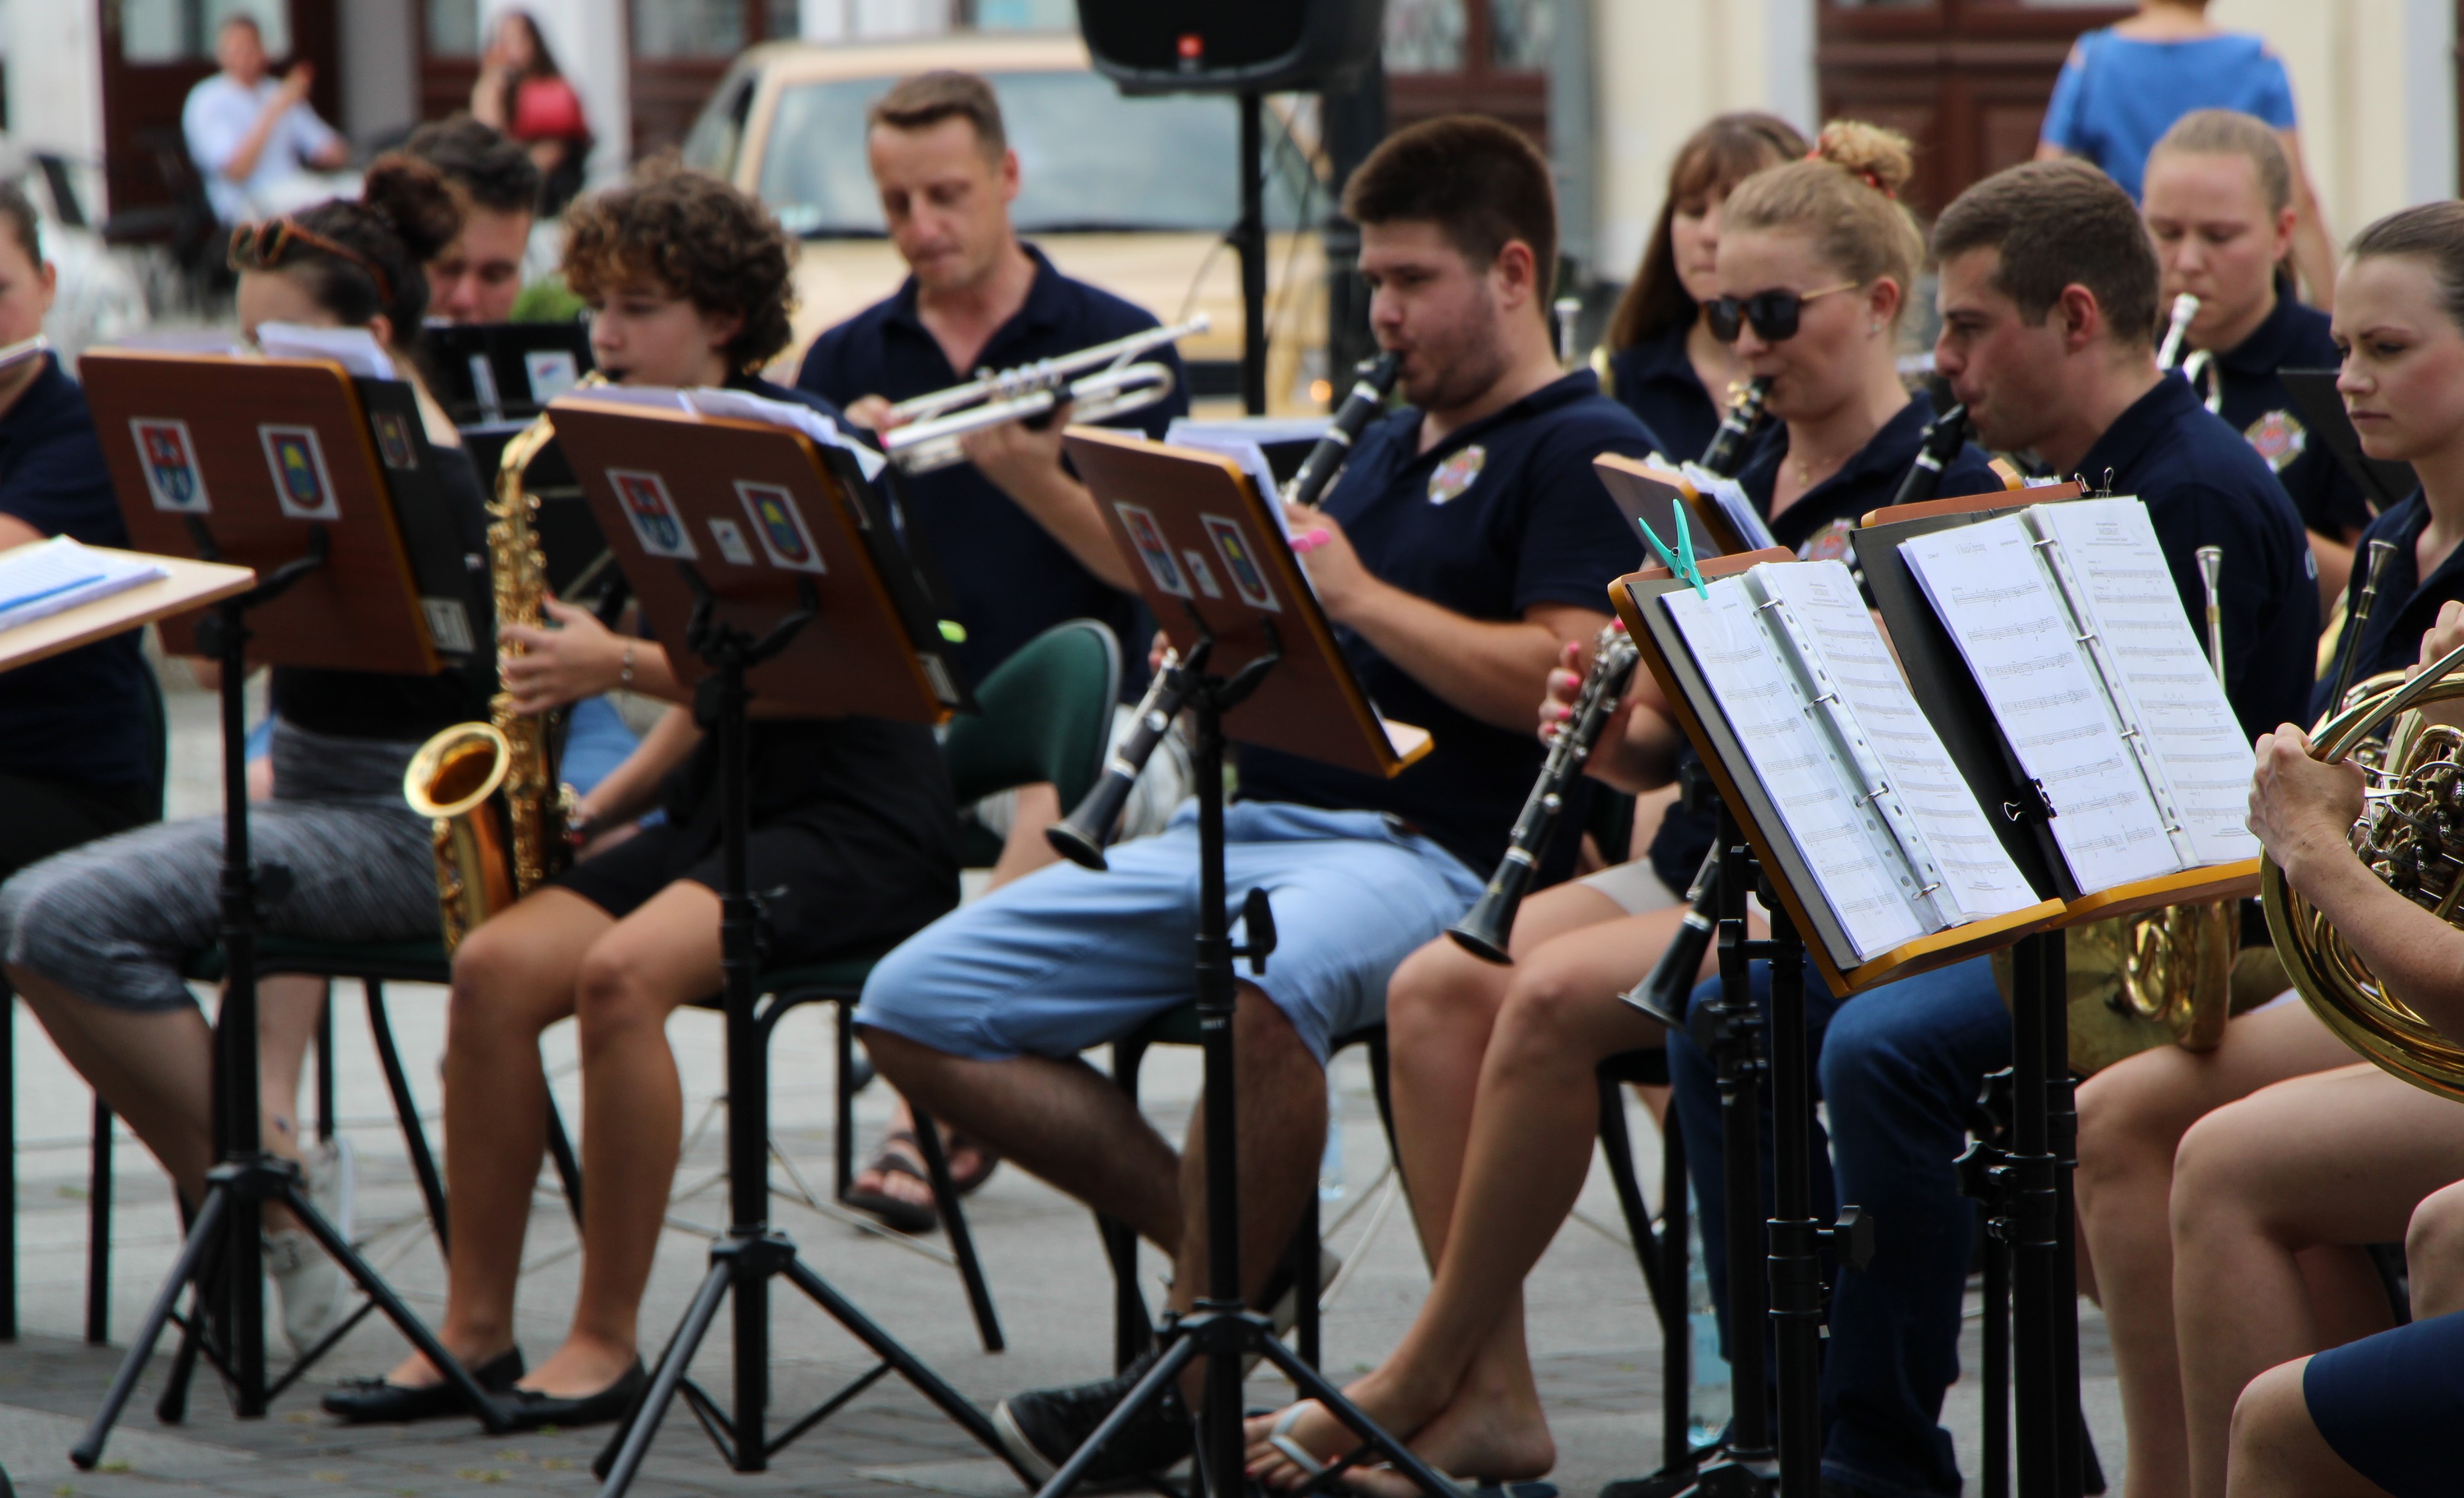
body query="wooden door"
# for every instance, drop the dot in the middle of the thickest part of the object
(155, 51)
(1474, 57)
(1966, 79)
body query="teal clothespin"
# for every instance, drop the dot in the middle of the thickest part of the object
(1680, 561)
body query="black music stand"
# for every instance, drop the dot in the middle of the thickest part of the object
(330, 536)
(1176, 514)
(817, 624)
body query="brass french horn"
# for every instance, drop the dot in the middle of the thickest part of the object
(2412, 836)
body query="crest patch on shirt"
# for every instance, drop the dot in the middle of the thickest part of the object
(1456, 473)
(1830, 543)
(2278, 437)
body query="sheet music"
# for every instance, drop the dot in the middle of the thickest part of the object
(354, 350)
(1831, 623)
(1729, 497)
(1857, 867)
(710, 401)
(46, 578)
(2163, 673)
(2000, 607)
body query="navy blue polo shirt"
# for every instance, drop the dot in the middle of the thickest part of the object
(1816, 527)
(2407, 604)
(2255, 402)
(1008, 577)
(1657, 382)
(80, 716)
(2203, 487)
(1504, 515)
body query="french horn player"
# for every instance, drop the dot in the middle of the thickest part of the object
(2265, 1165)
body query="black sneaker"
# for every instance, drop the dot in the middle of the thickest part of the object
(1044, 1426)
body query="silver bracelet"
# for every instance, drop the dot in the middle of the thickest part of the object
(625, 673)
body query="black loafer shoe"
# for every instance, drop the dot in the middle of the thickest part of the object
(373, 1402)
(529, 1409)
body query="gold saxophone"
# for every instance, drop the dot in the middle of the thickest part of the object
(491, 789)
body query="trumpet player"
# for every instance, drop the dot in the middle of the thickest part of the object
(2219, 204)
(2177, 1158)
(1016, 533)
(854, 842)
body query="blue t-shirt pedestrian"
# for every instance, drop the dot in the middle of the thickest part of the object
(2118, 93)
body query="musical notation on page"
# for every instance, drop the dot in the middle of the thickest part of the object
(1842, 840)
(2021, 643)
(2163, 673)
(1832, 623)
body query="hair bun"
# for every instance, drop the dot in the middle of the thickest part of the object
(1883, 158)
(413, 199)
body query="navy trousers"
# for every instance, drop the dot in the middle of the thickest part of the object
(1899, 1069)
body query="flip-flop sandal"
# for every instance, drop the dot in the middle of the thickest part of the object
(897, 1212)
(1279, 1436)
(964, 1183)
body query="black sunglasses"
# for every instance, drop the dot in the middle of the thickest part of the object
(1774, 313)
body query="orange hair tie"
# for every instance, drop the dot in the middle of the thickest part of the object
(1864, 174)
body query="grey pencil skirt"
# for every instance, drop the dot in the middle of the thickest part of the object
(116, 920)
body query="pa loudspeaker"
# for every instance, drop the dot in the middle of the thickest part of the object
(1232, 46)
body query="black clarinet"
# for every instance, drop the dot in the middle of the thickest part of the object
(1487, 927)
(1661, 994)
(1367, 399)
(1081, 836)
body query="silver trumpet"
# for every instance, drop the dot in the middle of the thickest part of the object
(2200, 367)
(2169, 354)
(1104, 380)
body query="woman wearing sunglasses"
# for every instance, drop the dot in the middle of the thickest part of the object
(1494, 1097)
(94, 938)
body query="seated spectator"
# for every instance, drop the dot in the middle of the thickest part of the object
(2125, 85)
(255, 139)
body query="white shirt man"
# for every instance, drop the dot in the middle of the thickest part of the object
(254, 137)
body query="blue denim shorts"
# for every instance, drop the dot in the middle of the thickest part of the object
(1066, 958)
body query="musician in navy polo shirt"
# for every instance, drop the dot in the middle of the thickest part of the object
(1468, 540)
(2049, 289)
(1017, 536)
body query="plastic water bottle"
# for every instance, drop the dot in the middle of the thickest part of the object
(1330, 1163)
(1707, 1401)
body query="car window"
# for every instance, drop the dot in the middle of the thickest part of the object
(1089, 158)
(713, 141)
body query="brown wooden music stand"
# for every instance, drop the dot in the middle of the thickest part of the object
(300, 499)
(749, 546)
(1257, 662)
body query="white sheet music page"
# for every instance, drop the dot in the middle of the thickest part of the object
(1998, 603)
(1832, 620)
(1857, 867)
(2172, 692)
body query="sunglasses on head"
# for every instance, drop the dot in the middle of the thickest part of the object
(1774, 313)
(264, 247)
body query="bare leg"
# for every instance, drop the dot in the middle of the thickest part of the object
(287, 1007)
(1525, 1150)
(2338, 1159)
(634, 975)
(2276, 1449)
(513, 978)
(2132, 1116)
(1058, 1120)
(156, 1069)
(2433, 1250)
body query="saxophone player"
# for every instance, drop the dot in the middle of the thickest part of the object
(2269, 1160)
(854, 840)
(95, 938)
(1014, 533)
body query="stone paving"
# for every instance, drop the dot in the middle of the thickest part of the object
(1589, 1314)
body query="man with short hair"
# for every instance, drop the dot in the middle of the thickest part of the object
(255, 139)
(477, 277)
(2048, 286)
(1467, 542)
(1015, 533)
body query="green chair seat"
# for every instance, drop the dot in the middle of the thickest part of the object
(1174, 1027)
(839, 975)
